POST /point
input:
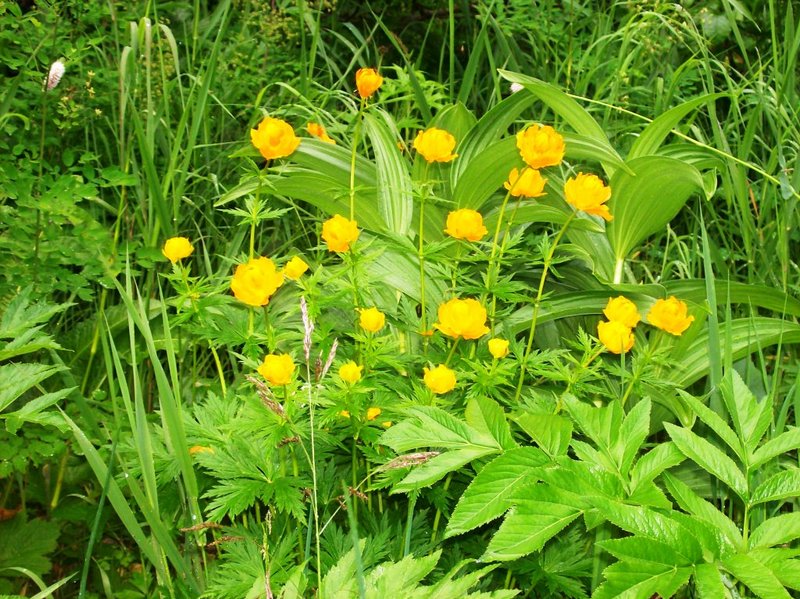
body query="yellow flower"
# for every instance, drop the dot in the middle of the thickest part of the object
(465, 224)
(195, 449)
(274, 138)
(319, 132)
(617, 338)
(588, 193)
(368, 81)
(440, 380)
(372, 320)
(344, 414)
(295, 268)
(670, 315)
(623, 310)
(462, 318)
(435, 145)
(350, 372)
(498, 347)
(386, 424)
(373, 413)
(540, 146)
(339, 233)
(255, 282)
(177, 248)
(277, 369)
(528, 184)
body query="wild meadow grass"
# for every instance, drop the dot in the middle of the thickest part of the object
(480, 299)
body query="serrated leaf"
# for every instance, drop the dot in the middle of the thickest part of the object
(709, 458)
(776, 531)
(433, 427)
(639, 579)
(750, 416)
(486, 416)
(654, 462)
(758, 577)
(16, 379)
(527, 528)
(708, 582)
(488, 495)
(436, 468)
(600, 424)
(632, 433)
(783, 443)
(715, 422)
(550, 431)
(638, 547)
(783, 485)
(27, 543)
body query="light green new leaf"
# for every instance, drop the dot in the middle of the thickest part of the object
(632, 433)
(758, 577)
(395, 203)
(640, 579)
(654, 462)
(428, 426)
(488, 495)
(656, 132)
(776, 531)
(783, 443)
(436, 468)
(16, 379)
(708, 582)
(643, 204)
(714, 422)
(750, 416)
(527, 528)
(644, 548)
(709, 457)
(781, 486)
(550, 431)
(487, 416)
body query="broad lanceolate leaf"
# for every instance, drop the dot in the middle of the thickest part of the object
(758, 577)
(637, 579)
(16, 379)
(654, 462)
(750, 417)
(708, 582)
(784, 485)
(776, 531)
(487, 416)
(433, 427)
(643, 204)
(439, 466)
(632, 433)
(489, 494)
(786, 441)
(709, 458)
(550, 431)
(715, 423)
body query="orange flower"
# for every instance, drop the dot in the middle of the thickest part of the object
(274, 138)
(440, 380)
(319, 132)
(462, 318)
(368, 81)
(529, 184)
(465, 224)
(277, 369)
(617, 338)
(588, 193)
(255, 282)
(623, 310)
(177, 248)
(339, 233)
(435, 145)
(670, 315)
(540, 146)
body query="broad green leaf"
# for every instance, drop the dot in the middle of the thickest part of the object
(758, 577)
(640, 579)
(30, 411)
(527, 528)
(487, 416)
(781, 486)
(428, 426)
(650, 550)
(750, 416)
(487, 497)
(776, 531)
(654, 462)
(657, 131)
(600, 424)
(436, 468)
(485, 174)
(632, 433)
(690, 502)
(395, 203)
(581, 148)
(550, 431)
(694, 290)
(16, 379)
(708, 582)
(783, 443)
(715, 423)
(709, 458)
(643, 204)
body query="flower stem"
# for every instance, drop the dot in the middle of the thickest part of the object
(356, 133)
(537, 303)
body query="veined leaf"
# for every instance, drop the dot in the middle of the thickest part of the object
(654, 462)
(776, 531)
(487, 416)
(785, 442)
(644, 548)
(436, 468)
(16, 379)
(632, 433)
(715, 422)
(758, 577)
(750, 417)
(429, 426)
(638, 579)
(550, 431)
(485, 174)
(708, 582)
(488, 495)
(783, 485)
(709, 457)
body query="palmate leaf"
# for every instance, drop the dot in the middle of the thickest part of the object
(488, 495)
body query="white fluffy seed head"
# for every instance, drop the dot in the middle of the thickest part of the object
(55, 74)
(515, 87)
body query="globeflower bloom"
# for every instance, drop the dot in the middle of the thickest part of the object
(462, 318)
(372, 320)
(540, 146)
(498, 348)
(255, 282)
(177, 248)
(373, 413)
(528, 184)
(350, 372)
(588, 193)
(339, 233)
(465, 224)
(319, 132)
(616, 337)
(368, 81)
(670, 315)
(274, 138)
(435, 145)
(621, 309)
(277, 369)
(295, 268)
(440, 379)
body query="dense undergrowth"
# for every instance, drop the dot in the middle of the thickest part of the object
(513, 314)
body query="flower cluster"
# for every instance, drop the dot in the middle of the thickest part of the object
(616, 334)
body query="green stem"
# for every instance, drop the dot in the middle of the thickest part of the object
(220, 372)
(438, 515)
(356, 133)
(452, 351)
(537, 303)
(412, 501)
